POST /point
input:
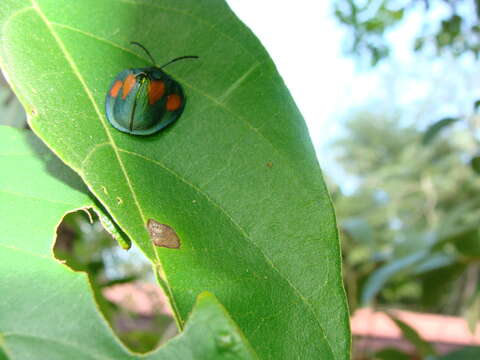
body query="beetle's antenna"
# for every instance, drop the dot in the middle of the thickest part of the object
(144, 49)
(179, 58)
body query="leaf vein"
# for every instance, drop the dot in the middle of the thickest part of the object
(222, 98)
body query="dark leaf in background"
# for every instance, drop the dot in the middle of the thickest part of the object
(434, 130)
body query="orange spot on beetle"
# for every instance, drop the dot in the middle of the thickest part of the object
(173, 102)
(128, 85)
(155, 91)
(116, 88)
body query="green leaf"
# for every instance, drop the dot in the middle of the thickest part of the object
(435, 129)
(47, 311)
(423, 348)
(236, 176)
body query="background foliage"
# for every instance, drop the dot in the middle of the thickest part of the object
(408, 204)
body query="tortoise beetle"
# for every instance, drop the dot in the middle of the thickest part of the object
(143, 101)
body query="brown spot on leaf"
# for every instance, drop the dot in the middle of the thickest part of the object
(162, 235)
(269, 164)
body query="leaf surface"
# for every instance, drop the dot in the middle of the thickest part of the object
(236, 176)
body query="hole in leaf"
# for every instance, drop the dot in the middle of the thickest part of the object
(122, 281)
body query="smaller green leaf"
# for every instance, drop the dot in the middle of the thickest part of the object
(210, 334)
(435, 129)
(411, 335)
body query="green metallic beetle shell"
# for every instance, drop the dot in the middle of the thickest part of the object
(134, 114)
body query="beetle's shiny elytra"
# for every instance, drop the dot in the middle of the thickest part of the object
(143, 101)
